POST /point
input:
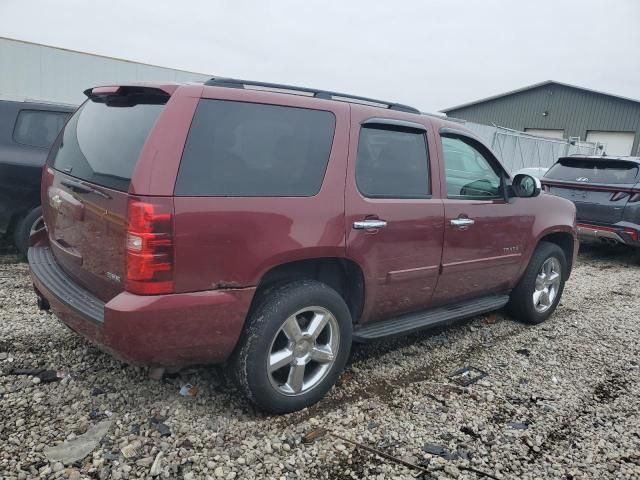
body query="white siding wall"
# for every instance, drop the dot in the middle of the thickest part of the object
(46, 73)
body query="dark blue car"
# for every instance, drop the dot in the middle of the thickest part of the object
(606, 192)
(27, 130)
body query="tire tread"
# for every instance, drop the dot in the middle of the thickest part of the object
(267, 310)
(520, 305)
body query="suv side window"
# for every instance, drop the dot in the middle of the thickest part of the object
(38, 128)
(469, 174)
(393, 162)
(240, 149)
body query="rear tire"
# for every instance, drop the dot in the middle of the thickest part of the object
(538, 293)
(30, 223)
(294, 346)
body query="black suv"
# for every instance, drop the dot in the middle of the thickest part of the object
(27, 130)
(606, 192)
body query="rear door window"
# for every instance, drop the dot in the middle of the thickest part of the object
(38, 128)
(594, 171)
(102, 141)
(239, 149)
(392, 163)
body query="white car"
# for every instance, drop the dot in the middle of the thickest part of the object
(537, 172)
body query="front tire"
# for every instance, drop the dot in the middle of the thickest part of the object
(294, 346)
(538, 293)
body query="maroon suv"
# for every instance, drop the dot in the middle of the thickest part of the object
(269, 226)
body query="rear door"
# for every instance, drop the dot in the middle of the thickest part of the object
(394, 216)
(600, 188)
(86, 183)
(484, 235)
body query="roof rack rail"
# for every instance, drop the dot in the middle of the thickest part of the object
(327, 95)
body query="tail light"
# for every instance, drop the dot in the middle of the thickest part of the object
(632, 233)
(635, 198)
(149, 250)
(618, 196)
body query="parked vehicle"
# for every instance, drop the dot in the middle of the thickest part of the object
(28, 130)
(537, 172)
(269, 226)
(606, 192)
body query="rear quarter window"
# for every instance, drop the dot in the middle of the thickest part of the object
(594, 171)
(38, 128)
(239, 149)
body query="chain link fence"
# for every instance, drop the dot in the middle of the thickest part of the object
(518, 150)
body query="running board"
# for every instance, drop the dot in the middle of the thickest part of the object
(413, 322)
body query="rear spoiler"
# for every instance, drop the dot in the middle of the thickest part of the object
(126, 96)
(622, 162)
(98, 91)
(110, 90)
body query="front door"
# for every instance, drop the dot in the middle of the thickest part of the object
(394, 226)
(484, 234)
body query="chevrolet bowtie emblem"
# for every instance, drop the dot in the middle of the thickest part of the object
(55, 202)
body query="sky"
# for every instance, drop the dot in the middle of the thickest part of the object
(428, 54)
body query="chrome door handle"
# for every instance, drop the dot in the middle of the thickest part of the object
(369, 224)
(462, 222)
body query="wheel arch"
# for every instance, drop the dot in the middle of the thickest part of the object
(566, 240)
(342, 274)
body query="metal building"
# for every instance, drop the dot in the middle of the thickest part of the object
(39, 72)
(558, 110)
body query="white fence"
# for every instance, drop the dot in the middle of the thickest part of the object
(518, 150)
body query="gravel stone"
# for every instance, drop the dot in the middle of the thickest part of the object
(572, 383)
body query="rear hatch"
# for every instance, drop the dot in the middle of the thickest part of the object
(85, 186)
(600, 188)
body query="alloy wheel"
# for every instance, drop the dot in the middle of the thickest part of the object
(303, 351)
(547, 284)
(37, 225)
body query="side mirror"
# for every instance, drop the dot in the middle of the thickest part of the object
(526, 186)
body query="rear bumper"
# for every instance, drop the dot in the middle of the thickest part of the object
(616, 233)
(158, 330)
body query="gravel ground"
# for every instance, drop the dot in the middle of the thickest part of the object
(559, 400)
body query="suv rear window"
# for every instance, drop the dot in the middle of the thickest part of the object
(102, 141)
(594, 171)
(38, 128)
(239, 149)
